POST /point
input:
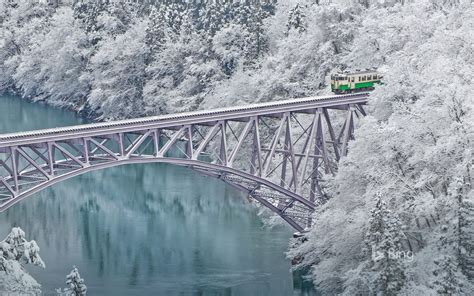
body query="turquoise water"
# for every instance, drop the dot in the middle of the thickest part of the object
(151, 229)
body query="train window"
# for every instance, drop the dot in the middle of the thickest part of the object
(374, 77)
(352, 79)
(363, 78)
(369, 77)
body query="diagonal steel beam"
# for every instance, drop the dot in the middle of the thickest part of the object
(209, 136)
(138, 143)
(242, 137)
(321, 140)
(33, 163)
(291, 148)
(7, 168)
(101, 147)
(37, 152)
(361, 109)
(348, 127)
(332, 134)
(307, 151)
(68, 154)
(102, 143)
(7, 186)
(171, 142)
(276, 138)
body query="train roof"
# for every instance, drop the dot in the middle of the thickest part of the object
(357, 72)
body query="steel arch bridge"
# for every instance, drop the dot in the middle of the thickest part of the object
(276, 152)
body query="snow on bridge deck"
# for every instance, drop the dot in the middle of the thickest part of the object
(278, 164)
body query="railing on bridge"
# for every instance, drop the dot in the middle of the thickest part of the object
(276, 152)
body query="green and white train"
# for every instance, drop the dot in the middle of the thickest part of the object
(346, 82)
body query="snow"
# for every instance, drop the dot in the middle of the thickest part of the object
(414, 151)
(75, 285)
(17, 251)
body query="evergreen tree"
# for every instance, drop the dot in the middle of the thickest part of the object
(213, 16)
(87, 11)
(15, 251)
(455, 243)
(448, 278)
(384, 238)
(296, 19)
(75, 285)
(156, 30)
(462, 241)
(101, 19)
(165, 21)
(16, 247)
(467, 235)
(252, 17)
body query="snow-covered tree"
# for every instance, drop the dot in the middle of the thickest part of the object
(466, 224)
(253, 18)
(19, 23)
(126, 59)
(297, 19)
(75, 285)
(231, 44)
(412, 149)
(213, 16)
(384, 239)
(181, 73)
(87, 12)
(15, 252)
(448, 280)
(117, 74)
(56, 68)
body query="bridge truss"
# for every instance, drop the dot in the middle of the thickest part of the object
(276, 152)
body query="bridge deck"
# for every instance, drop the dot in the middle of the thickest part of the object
(170, 120)
(275, 152)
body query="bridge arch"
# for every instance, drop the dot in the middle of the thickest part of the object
(245, 182)
(282, 149)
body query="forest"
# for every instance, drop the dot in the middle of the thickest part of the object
(406, 186)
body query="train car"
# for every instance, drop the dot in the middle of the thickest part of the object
(358, 81)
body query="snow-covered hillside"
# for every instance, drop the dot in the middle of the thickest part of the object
(411, 160)
(406, 186)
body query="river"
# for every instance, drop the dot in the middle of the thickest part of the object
(151, 229)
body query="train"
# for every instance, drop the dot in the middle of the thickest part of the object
(357, 81)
